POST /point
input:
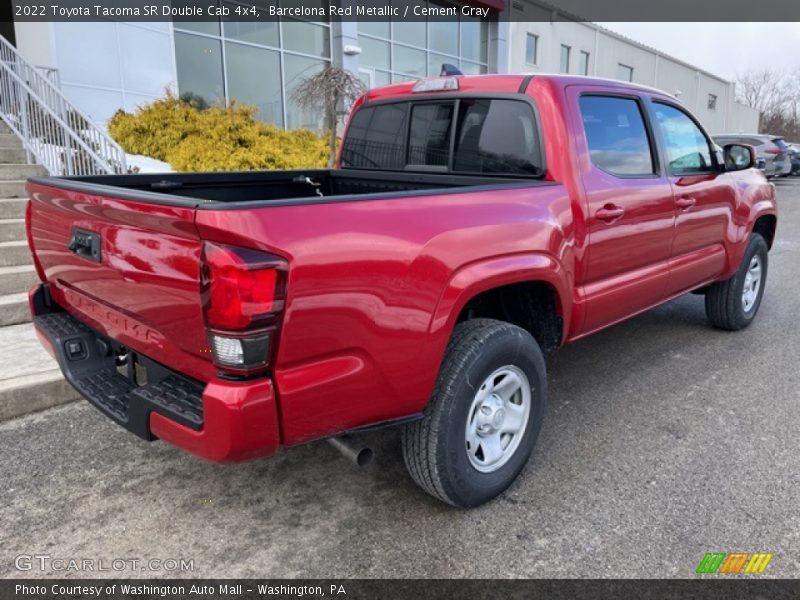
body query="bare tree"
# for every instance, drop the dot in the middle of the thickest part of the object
(331, 90)
(775, 95)
(760, 89)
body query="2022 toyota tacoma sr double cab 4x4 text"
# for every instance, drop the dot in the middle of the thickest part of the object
(472, 225)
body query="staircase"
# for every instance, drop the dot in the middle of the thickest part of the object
(29, 378)
(38, 124)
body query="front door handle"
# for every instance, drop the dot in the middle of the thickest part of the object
(685, 202)
(610, 212)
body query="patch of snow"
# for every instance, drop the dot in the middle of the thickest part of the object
(145, 164)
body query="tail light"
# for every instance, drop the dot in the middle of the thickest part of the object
(243, 294)
(773, 151)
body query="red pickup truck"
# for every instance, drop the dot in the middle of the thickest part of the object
(472, 225)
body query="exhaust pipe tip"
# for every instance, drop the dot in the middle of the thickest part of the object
(353, 449)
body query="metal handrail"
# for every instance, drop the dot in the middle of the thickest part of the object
(53, 131)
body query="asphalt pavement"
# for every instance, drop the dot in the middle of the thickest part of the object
(664, 439)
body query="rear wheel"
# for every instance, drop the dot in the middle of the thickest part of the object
(484, 416)
(733, 304)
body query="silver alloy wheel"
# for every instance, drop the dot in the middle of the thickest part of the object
(497, 419)
(752, 283)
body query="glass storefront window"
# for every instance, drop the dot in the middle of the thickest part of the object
(296, 69)
(263, 61)
(242, 62)
(307, 38)
(443, 36)
(375, 53)
(435, 62)
(199, 65)
(264, 33)
(413, 33)
(261, 64)
(376, 28)
(414, 49)
(474, 39)
(469, 68)
(409, 60)
(382, 78)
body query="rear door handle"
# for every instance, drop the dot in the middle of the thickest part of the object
(610, 212)
(685, 202)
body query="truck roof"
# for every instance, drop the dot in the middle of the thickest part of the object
(505, 84)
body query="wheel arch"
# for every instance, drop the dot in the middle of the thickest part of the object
(765, 224)
(503, 288)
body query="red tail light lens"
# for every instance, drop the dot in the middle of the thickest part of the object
(242, 289)
(243, 295)
(773, 151)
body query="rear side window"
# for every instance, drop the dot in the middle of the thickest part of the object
(617, 136)
(375, 138)
(688, 150)
(496, 136)
(490, 136)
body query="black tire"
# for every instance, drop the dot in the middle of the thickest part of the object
(724, 306)
(434, 448)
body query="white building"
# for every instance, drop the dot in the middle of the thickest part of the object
(104, 67)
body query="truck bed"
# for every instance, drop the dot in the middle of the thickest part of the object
(274, 188)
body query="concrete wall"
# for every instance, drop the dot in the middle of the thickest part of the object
(104, 66)
(743, 119)
(608, 50)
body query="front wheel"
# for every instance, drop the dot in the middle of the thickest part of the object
(484, 416)
(733, 304)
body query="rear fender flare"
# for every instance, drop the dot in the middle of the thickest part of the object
(475, 278)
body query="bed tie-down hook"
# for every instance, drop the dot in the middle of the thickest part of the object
(307, 180)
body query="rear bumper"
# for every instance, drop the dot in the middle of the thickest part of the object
(222, 421)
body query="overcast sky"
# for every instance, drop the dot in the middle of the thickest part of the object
(725, 49)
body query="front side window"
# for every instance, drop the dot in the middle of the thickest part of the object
(496, 136)
(688, 150)
(617, 136)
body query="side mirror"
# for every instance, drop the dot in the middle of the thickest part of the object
(739, 157)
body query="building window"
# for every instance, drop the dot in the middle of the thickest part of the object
(583, 66)
(712, 102)
(565, 58)
(624, 72)
(531, 49)
(218, 62)
(402, 51)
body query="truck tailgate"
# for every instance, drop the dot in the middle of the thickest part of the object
(129, 269)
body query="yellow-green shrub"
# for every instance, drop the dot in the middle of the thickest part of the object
(214, 139)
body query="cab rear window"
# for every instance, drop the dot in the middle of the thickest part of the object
(487, 136)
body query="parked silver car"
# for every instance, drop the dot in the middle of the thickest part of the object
(771, 151)
(794, 156)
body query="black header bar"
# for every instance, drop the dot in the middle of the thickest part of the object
(406, 10)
